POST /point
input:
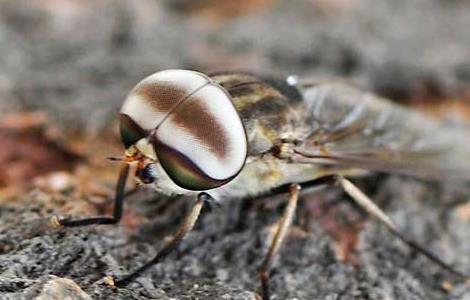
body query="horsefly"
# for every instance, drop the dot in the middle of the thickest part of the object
(235, 135)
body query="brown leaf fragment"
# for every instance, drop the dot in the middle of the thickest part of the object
(447, 286)
(28, 149)
(444, 108)
(339, 221)
(463, 212)
(219, 11)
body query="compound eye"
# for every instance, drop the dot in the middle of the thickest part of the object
(196, 132)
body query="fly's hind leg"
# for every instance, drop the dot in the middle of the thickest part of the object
(361, 199)
(370, 207)
(280, 234)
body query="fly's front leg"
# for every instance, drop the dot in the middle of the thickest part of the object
(281, 230)
(182, 231)
(118, 206)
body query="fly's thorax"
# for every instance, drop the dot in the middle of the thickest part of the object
(270, 109)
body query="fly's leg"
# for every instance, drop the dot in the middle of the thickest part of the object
(361, 199)
(370, 207)
(182, 231)
(281, 230)
(284, 224)
(118, 206)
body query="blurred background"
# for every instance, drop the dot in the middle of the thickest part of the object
(67, 65)
(74, 61)
(77, 59)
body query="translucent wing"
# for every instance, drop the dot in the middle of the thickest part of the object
(351, 128)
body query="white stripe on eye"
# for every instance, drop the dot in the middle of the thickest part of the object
(184, 79)
(142, 112)
(182, 141)
(216, 102)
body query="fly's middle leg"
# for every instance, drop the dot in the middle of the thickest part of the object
(284, 224)
(279, 236)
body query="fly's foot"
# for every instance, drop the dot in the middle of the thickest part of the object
(54, 222)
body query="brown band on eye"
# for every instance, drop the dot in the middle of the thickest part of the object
(162, 96)
(196, 118)
(130, 131)
(182, 170)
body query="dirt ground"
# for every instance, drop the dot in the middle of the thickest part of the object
(65, 68)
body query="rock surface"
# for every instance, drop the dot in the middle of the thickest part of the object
(62, 289)
(219, 260)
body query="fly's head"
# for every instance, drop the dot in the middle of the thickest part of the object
(182, 131)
